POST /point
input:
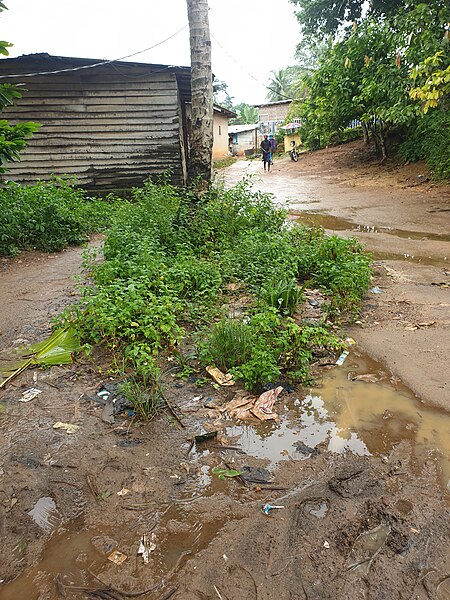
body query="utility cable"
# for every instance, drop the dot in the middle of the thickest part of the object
(249, 74)
(104, 62)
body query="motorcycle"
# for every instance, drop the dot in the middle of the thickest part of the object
(293, 153)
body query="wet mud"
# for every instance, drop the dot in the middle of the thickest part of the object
(359, 461)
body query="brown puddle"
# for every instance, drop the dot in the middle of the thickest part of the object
(339, 224)
(339, 415)
(344, 415)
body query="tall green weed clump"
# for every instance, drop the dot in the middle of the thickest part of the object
(168, 263)
(48, 216)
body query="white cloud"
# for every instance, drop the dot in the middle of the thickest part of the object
(260, 35)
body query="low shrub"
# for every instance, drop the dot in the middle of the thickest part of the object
(429, 139)
(48, 216)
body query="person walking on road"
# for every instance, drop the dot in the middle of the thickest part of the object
(266, 153)
(273, 147)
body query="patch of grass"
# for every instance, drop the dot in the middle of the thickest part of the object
(168, 261)
(223, 163)
(48, 216)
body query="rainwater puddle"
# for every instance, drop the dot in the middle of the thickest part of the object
(343, 415)
(338, 224)
(75, 552)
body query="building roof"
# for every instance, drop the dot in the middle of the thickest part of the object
(224, 111)
(272, 103)
(42, 63)
(241, 128)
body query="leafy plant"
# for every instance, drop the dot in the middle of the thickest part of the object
(283, 295)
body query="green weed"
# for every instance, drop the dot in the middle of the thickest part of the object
(48, 216)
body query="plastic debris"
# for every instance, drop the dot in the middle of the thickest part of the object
(68, 427)
(123, 492)
(268, 507)
(366, 546)
(219, 377)
(255, 475)
(146, 547)
(263, 406)
(30, 394)
(117, 557)
(326, 544)
(376, 290)
(222, 473)
(350, 341)
(367, 377)
(245, 407)
(340, 361)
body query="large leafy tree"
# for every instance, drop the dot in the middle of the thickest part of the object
(13, 138)
(246, 114)
(322, 17)
(366, 73)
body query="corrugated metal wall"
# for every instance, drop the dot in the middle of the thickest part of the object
(108, 129)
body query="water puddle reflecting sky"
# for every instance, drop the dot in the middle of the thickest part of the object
(344, 415)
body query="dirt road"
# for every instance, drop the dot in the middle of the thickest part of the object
(404, 220)
(358, 462)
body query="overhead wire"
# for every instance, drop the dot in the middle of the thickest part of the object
(247, 72)
(97, 64)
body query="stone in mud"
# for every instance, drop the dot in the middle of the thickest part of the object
(255, 475)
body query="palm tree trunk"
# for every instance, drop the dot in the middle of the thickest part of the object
(199, 170)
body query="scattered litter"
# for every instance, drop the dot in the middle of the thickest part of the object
(30, 394)
(366, 546)
(255, 475)
(123, 492)
(442, 284)
(146, 547)
(68, 427)
(117, 557)
(376, 290)
(367, 377)
(264, 404)
(225, 557)
(268, 507)
(114, 402)
(219, 377)
(350, 341)
(326, 544)
(222, 473)
(340, 361)
(419, 325)
(204, 437)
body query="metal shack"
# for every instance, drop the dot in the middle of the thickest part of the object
(109, 124)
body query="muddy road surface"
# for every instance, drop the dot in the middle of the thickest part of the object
(358, 463)
(404, 221)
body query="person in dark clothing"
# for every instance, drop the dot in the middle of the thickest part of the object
(266, 153)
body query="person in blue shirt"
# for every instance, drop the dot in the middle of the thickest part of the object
(273, 147)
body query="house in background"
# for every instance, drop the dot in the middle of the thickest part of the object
(111, 125)
(244, 139)
(221, 131)
(271, 116)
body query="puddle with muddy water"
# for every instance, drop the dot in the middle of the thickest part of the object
(344, 415)
(339, 415)
(332, 223)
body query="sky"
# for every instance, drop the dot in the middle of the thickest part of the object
(250, 38)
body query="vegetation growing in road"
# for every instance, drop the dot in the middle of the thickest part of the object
(170, 269)
(48, 216)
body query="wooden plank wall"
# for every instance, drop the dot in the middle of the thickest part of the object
(109, 131)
